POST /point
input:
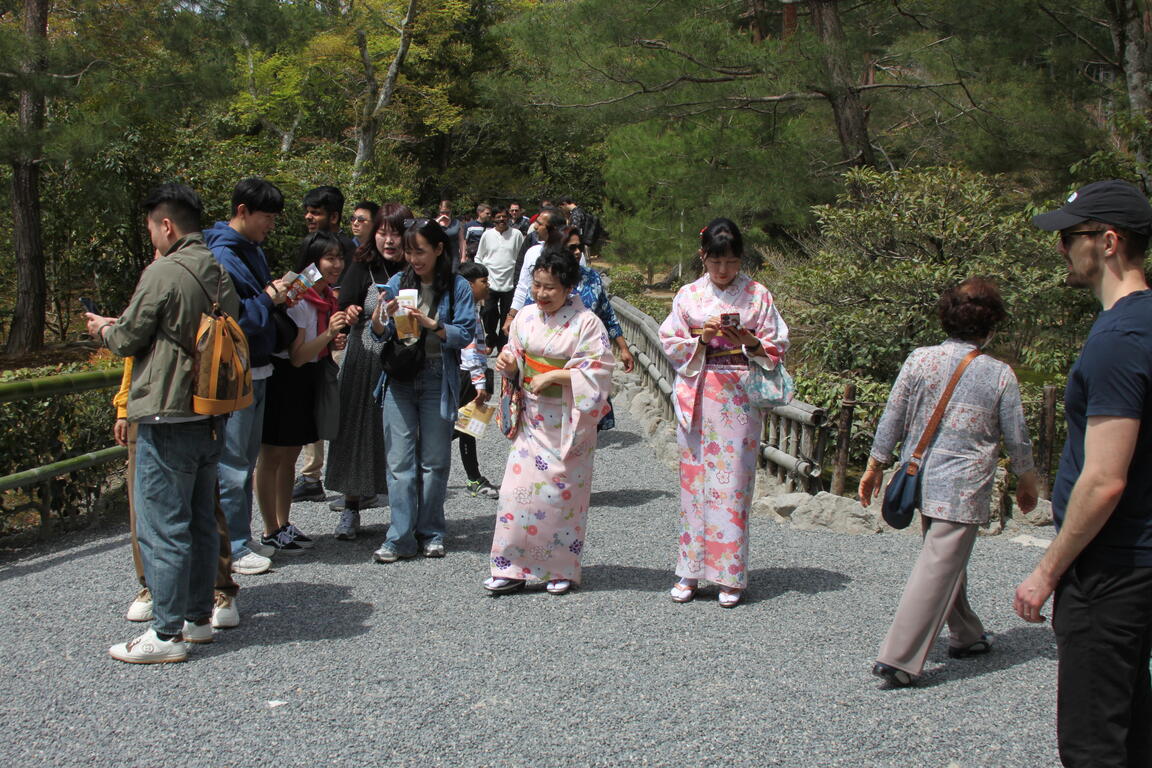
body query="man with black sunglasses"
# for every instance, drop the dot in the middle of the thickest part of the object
(1099, 567)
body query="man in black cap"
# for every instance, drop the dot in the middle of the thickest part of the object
(1099, 566)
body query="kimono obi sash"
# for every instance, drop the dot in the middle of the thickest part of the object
(721, 357)
(534, 364)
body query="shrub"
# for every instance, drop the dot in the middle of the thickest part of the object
(866, 294)
(630, 284)
(43, 430)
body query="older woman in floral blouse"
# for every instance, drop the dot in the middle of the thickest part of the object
(958, 474)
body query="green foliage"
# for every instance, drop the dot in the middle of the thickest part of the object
(630, 285)
(865, 294)
(41, 431)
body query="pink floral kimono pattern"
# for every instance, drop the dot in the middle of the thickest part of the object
(543, 510)
(717, 429)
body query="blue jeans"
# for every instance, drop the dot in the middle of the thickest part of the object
(241, 447)
(418, 442)
(175, 498)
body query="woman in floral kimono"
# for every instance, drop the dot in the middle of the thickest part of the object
(720, 325)
(563, 353)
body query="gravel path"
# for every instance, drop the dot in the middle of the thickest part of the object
(340, 661)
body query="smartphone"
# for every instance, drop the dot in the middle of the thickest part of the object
(386, 289)
(89, 305)
(730, 320)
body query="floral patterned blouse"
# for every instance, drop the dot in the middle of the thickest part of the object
(959, 468)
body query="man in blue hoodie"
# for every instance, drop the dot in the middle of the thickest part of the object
(236, 245)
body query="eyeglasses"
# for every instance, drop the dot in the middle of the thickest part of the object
(1066, 237)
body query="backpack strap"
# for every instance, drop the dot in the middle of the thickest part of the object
(219, 285)
(215, 303)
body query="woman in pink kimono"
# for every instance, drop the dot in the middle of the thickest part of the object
(565, 358)
(720, 325)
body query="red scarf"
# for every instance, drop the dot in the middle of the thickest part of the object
(325, 303)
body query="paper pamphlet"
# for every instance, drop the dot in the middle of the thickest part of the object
(299, 283)
(474, 419)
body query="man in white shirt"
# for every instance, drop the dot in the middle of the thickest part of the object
(497, 251)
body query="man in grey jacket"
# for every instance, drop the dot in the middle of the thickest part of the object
(177, 450)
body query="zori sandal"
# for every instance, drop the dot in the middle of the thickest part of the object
(683, 592)
(558, 586)
(730, 598)
(497, 585)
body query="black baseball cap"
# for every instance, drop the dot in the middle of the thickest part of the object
(1112, 202)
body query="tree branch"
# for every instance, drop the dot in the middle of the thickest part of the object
(640, 91)
(58, 76)
(385, 97)
(735, 70)
(1083, 40)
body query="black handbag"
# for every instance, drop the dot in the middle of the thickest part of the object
(401, 361)
(902, 496)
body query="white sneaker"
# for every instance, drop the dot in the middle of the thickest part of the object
(141, 608)
(197, 633)
(226, 613)
(251, 564)
(261, 549)
(349, 525)
(150, 649)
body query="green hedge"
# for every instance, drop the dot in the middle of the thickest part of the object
(40, 431)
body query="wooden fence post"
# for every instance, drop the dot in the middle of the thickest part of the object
(843, 437)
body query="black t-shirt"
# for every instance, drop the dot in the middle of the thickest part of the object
(1113, 377)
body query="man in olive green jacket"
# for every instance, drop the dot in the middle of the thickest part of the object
(177, 450)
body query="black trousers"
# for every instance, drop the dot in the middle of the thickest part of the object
(1102, 618)
(468, 456)
(494, 311)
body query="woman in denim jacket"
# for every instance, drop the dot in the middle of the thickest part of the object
(420, 404)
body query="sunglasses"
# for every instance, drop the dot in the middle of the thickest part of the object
(361, 219)
(575, 248)
(418, 223)
(1066, 237)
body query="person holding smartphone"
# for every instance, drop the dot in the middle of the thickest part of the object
(290, 415)
(356, 464)
(720, 325)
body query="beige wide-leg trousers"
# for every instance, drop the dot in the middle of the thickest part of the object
(935, 594)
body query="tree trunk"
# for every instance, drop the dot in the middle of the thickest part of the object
(1128, 24)
(27, 331)
(789, 21)
(378, 97)
(847, 110)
